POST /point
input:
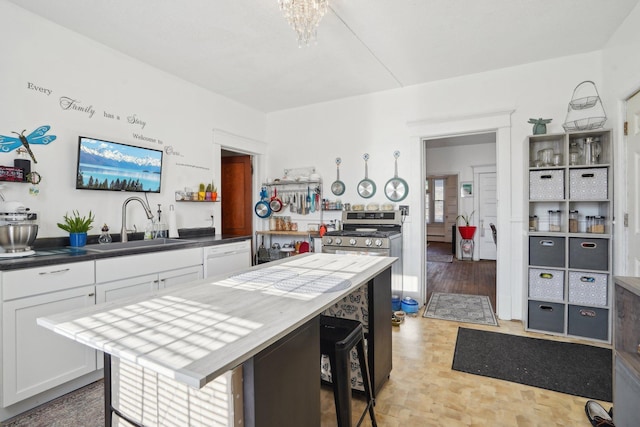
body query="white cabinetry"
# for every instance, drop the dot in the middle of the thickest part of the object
(35, 359)
(570, 204)
(147, 273)
(127, 276)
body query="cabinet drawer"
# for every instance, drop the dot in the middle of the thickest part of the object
(33, 281)
(546, 185)
(546, 316)
(546, 284)
(546, 251)
(588, 288)
(589, 322)
(117, 268)
(589, 254)
(588, 184)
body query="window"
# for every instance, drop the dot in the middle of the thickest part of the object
(434, 200)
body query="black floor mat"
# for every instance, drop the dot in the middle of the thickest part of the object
(577, 369)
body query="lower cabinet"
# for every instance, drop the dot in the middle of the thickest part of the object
(35, 359)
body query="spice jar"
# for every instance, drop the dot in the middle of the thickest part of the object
(533, 222)
(573, 221)
(555, 219)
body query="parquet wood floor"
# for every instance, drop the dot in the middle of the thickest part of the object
(424, 391)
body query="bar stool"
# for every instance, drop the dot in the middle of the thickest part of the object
(338, 336)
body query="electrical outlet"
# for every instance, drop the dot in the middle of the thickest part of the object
(404, 210)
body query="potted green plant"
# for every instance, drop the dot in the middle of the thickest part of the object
(208, 192)
(201, 191)
(467, 231)
(77, 226)
(214, 192)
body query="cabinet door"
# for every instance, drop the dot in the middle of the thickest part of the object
(36, 359)
(168, 279)
(126, 288)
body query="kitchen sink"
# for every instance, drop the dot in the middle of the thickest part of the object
(134, 244)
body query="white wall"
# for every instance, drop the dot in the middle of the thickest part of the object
(621, 75)
(378, 124)
(180, 115)
(460, 160)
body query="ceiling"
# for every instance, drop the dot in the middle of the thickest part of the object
(245, 50)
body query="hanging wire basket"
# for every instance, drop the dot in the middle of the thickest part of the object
(585, 110)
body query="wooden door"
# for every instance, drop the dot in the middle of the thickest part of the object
(236, 196)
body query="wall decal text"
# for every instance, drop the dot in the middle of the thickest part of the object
(37, 88)
(67, 103)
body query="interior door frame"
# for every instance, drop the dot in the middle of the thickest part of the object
(509, 289)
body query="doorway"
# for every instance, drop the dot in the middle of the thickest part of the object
(236, 184)
(469, 188)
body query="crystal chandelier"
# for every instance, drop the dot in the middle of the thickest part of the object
(304, 17)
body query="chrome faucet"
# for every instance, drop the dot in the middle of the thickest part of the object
(123, 232)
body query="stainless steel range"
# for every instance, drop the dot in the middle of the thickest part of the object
(369, 233)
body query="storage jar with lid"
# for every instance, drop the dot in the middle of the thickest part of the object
(555, 220)
(573, 221)
(533, 222)
(575, 153)
(598, 224)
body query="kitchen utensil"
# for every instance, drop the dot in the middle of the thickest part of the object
(396, 189)
(18, 237)
(366, 187)
(308, 201)
(337, 187)
(262, 208)
(275, 204)
(18, 228)
(293, 206)
(263, 253)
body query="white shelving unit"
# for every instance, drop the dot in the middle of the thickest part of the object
(568, 282)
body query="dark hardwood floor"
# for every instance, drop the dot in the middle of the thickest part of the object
(460, 277)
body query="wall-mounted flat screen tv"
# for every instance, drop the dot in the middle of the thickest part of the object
(107, 165)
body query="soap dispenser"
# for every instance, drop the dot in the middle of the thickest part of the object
(105, 237)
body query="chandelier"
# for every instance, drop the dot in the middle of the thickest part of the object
(304, 17)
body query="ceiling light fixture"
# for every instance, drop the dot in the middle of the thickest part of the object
(304, 17)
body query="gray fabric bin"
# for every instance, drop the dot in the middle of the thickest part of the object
(588, 288)
(589, 322)
(546, 185)
(589, 254)
(546, 284)
(546, 251)
(588, 184)
(546, 316)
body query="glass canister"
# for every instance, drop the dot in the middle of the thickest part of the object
(555, 220)
(575, 153)
(592, 150)
(589, 221)
(573, 221)
(598, 224)
(533, 222)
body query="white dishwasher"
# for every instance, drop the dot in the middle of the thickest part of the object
(227, 258)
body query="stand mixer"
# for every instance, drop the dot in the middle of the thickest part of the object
(18, 229)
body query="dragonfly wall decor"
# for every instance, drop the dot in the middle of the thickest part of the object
(10, 143)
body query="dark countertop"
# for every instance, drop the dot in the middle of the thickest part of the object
(52, 251)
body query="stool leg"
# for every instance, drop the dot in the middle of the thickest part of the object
(366, 379)
(341, 379)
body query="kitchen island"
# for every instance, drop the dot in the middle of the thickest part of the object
(264, 320)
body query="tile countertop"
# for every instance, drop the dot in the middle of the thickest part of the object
(195, 333)
(53, 251)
